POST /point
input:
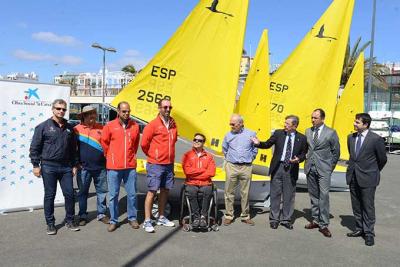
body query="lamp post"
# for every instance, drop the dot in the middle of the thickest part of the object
(103, 84)
(371, 56)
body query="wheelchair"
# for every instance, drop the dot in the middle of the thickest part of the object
(212, 216)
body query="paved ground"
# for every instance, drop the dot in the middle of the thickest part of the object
(23, 240)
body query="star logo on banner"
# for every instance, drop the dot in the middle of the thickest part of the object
(32, 92)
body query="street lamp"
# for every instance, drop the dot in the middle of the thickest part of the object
(371, 56)
(103, 84)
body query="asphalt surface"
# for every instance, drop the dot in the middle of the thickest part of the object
(24, 241)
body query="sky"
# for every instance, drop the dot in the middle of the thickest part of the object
(49, 37)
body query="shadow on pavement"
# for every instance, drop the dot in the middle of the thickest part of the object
(348, 221)
(147, 252)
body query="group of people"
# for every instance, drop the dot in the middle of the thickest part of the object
(320, 149)
(107, 155)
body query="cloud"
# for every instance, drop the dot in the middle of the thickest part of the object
(130, 56)
(26, 55)
(50, 37)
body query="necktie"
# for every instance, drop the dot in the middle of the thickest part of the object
(358, 144)
(315, 139)
(288, 152)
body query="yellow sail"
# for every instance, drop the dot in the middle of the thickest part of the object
(350, 103)
(198, 69)
(254, 102)
(310, 77)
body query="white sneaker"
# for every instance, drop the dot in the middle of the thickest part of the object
(165, 222)
(148, 227)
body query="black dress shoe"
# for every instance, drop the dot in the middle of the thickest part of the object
(273, 225)
(357, 233)
(369, 240)
(287, 225)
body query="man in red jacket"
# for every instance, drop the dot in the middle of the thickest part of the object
(199, 167)
(158, 143)
(120, 141)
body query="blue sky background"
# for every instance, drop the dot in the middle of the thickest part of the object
(49, 37)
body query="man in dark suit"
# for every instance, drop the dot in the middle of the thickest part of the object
(367, 158)
(290, 149)
(323, 154)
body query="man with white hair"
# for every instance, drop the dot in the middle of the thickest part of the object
(239, 152)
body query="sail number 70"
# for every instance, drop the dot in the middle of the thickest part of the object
(150, 96)
(277, 107)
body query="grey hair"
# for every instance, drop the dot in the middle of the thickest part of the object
(59, 101)
(295, 119)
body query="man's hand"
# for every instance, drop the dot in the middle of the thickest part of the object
(37, 172)
(294, 160)
(255, 140)
(74, 171)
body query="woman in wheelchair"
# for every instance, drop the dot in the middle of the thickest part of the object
(199, 167)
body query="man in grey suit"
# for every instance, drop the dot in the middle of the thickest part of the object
(367, 158)
(323, 154)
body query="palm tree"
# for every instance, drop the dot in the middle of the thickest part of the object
(129, 68)
(350, 59)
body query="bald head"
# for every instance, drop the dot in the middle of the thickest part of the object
(236, 123)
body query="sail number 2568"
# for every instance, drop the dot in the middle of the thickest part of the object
(150, 96)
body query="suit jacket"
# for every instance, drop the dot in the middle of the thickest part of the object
(325, 153)
(370, 160)
(299, 150)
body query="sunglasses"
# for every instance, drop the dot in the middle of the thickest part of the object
(125, 111)
(232, 124)
(167, 107)
(63, 109)
(198, 140)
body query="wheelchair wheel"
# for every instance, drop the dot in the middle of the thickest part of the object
(215, 195)
(187, 228)
(214, 227)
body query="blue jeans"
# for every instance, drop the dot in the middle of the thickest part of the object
(114, 178)
(63, 174)
(84, 178)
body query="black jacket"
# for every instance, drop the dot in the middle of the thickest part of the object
(299, 149)
(370, 160)
(53, 145)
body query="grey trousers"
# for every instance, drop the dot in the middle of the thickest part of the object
(283, 187)
(318, 188)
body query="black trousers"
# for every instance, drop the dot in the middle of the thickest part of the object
(363, 205)
(199, 196)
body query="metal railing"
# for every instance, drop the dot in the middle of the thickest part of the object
(95, 92)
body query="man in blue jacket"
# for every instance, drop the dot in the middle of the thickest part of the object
(53, 153)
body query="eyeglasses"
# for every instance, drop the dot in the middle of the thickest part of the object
(198, 140)
(232, 124)
(167, 107)
(63, 109)
(125, 111)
